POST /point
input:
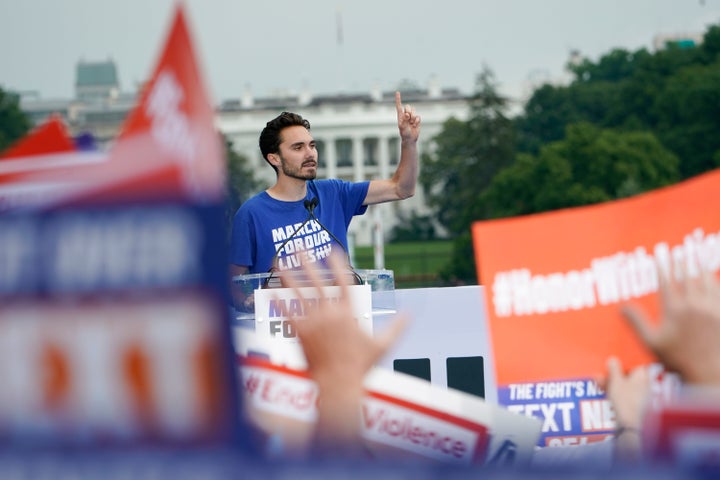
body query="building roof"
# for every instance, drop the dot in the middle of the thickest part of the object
(289, 102)
(96, 74)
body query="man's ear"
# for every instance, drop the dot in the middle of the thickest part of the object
(274, 159)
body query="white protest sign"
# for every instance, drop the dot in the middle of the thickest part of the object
(279, 390)
(403, 417)
(445, 424)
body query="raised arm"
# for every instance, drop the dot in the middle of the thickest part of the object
(402, 184)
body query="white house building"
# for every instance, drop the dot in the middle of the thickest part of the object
(357, 138)
(357, 134)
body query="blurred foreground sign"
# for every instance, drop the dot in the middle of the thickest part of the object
(168, 147)
(685, 431)
(104, 371)
(49, 137)
(402, 417)
(555, 284)
(113, 317)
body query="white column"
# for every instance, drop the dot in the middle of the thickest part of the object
(380, 223)
(378, 237)
(358, 165)
(330, 159)
(384, 157)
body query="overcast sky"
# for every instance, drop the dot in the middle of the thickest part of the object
(271, 45)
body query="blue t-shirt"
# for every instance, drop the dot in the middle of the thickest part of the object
(263, 224)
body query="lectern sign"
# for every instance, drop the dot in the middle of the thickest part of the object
(275, 306)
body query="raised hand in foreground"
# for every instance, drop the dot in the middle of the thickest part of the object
(629, 395)
(686, 340)
(339, 354)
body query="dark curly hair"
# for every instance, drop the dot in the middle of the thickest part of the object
(270, 136)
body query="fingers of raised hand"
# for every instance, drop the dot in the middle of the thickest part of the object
(640, 324)
(614, 369)
(388, 337)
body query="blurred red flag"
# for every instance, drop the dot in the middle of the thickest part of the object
(167, 148)
(48, 137)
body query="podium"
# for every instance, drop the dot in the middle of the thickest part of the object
(447, 335)
(242, 309)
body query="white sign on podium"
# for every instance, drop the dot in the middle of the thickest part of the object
(274, 307)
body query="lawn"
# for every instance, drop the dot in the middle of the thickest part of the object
(415, 264)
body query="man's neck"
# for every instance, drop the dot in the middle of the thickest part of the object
(288, 189)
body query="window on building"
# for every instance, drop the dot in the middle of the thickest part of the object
(370, 151)
(322, 159)
(394, 150)
(106, 117)
(343, 147)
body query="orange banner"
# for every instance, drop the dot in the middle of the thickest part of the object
(555, 281)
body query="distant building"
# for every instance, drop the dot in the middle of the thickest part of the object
(96, 81)
(357, 138)
(39, 109)
(99, 108)
(357, 134)
(681, 40)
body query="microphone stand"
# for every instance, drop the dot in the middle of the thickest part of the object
(310, 207)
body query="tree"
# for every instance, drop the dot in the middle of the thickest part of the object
(711, 45)
(467, 155)
(612, 67)
(241, 182)
(14, 124)
(688, 117)
(628, 123)
(413, 228)
(623, 90)
(589, 165)
(461, 269)
(552, 108)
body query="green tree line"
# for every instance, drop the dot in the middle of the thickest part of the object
(628, 123)
(14, 124)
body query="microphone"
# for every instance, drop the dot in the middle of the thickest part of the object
(310, 207)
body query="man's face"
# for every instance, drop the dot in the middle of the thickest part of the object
(298, 154)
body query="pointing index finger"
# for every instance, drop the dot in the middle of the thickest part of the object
(398, 104)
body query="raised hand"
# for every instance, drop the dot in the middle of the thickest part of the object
(339, 354)
(629, 395)
(408, 120)
(686, 340)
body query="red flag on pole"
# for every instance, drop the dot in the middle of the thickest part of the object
(167, 148)
(48, 137)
